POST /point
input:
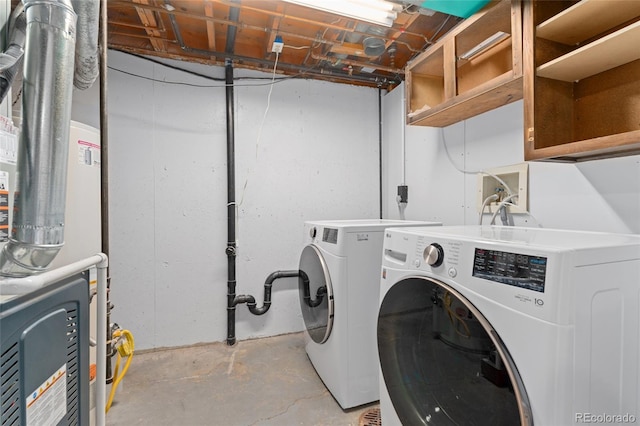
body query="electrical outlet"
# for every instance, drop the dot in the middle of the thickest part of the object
(517, 179)
(277, 45)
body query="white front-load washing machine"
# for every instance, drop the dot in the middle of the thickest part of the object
(339, 291)
(507, 326)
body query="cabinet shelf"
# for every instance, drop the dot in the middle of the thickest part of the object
(617, 145)
(611, 51)
(587, 19)
(581, 68)
(476, 67)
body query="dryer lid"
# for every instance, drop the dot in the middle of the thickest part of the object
(316, 294)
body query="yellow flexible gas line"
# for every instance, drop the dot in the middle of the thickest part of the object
(125, 349)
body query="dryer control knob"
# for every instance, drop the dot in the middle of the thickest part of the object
(313, 232)
(434, 254)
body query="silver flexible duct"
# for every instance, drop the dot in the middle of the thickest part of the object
(11, 59)
(86, 65)
(38, 224)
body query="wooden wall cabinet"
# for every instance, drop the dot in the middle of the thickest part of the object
(444, 86)
(581, 79)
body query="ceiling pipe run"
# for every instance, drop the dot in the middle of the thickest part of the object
(354, 30)
(234, 15)
(376, 79)
(280, 31)
(397, 71)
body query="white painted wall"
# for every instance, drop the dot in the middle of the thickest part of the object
(601, 195)
(317, 158)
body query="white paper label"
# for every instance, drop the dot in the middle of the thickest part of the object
(47, 405)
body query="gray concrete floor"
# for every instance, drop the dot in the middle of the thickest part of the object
(266, 381)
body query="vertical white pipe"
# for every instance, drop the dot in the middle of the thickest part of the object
(403, 155)
(101, 347)
(403, 120)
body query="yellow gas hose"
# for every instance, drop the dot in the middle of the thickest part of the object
(125, 348)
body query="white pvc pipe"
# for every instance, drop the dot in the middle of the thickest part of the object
(101, 336)
(17, 286)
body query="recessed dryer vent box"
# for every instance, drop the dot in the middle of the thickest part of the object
(517, 179)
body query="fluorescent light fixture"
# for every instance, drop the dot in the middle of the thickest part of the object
(379, 12)
(484, 45)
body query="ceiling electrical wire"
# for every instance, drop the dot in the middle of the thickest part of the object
(272, 80)
(264, 117)
(209, 86)
(287, 46)
(453, 163)
(510, 195)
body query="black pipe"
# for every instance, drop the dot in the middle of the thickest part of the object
(231, 208)
(251, 301)
(380, 147)
(306, 293)
(234, 16)
(104, 175)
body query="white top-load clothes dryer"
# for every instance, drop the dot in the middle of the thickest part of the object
(339, 300)
(507, 326)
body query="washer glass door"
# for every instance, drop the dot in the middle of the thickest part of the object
(316, 294)
(442, 362)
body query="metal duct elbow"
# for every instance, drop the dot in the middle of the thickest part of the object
(11, 59)
(39, 203)
(86, 64)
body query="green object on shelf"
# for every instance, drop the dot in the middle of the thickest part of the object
(461, 8)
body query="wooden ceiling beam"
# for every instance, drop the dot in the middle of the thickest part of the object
(351, 49)
(326, 75)
(211, 32)
(280, 14)
(148, 19)
(242, 25)
(275, 25)
(151, 38)
(139, 26)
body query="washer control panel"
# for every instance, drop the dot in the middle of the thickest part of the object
(515, 269)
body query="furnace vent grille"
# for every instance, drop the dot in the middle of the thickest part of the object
(10, 386)
(72, 368)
